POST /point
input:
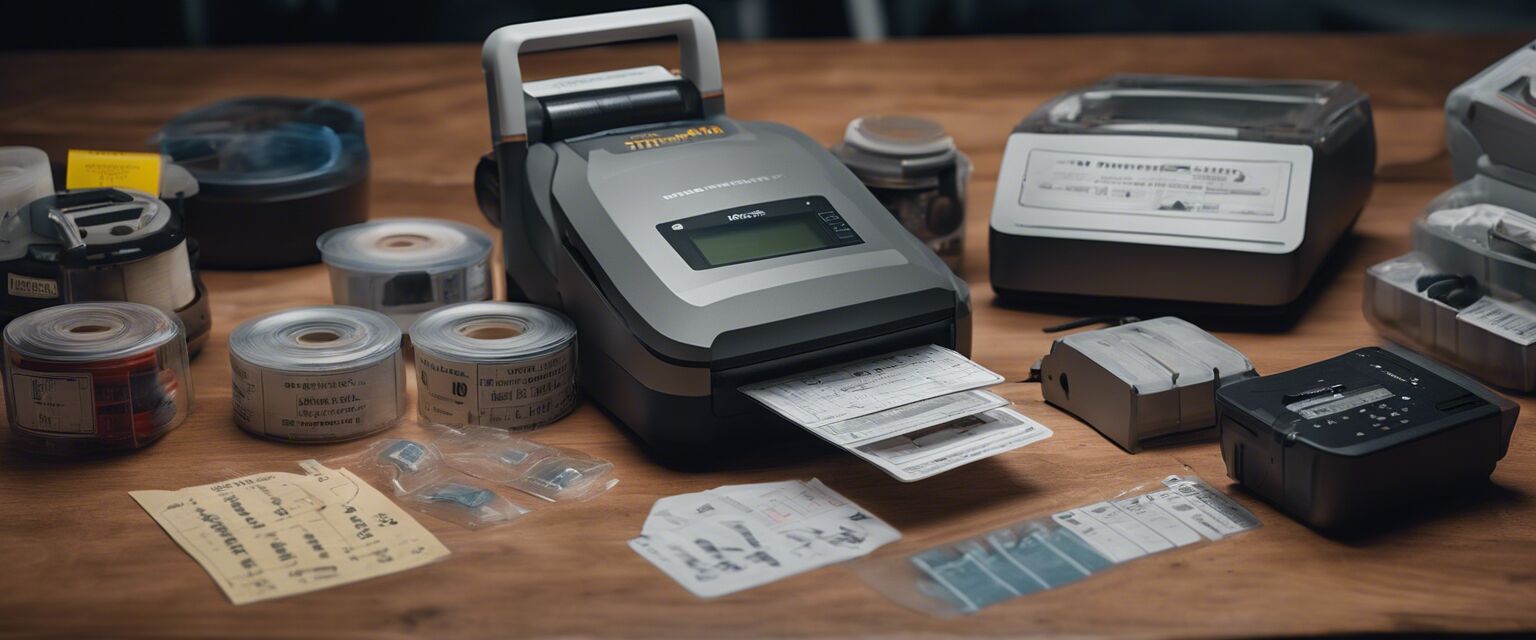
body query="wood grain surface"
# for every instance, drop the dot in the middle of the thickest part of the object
(79, 558)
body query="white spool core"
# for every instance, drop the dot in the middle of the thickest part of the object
(490, 330)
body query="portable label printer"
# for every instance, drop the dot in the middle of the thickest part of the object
(694, 252)
(1465, 294)
(1338, 442)
(1143, 383)
(1210, 194)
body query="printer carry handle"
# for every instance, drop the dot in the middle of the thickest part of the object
(504, 81)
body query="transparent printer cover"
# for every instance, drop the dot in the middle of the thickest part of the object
(1284, 111)
(1464, 232)
(270, 146)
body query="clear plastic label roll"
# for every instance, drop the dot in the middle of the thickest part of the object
(495, 364)
(407, 266)
(317, 374)
(96, 375)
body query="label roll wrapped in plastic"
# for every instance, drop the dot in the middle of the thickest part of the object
(100, 375)
(317, 374)
(495, 364)
(407, 266)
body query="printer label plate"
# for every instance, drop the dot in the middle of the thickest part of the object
(1217, 194)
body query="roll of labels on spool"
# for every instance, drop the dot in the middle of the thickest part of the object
(96, 375)
(317, 374)
(404, 267)
(495, 364)
(100, 245)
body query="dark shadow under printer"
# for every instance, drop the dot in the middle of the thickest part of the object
(695, 253)
(1199, 195)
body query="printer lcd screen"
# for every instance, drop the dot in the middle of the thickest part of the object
(758, 231)
(742, 243)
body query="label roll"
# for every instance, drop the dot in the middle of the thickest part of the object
(407, 266)
(495, 364)
(317, 374)
(96, 375)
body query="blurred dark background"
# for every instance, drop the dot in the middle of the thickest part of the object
(179, 23)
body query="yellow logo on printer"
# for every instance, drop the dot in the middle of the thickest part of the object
(655, 140)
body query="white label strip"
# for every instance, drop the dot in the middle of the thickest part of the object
(1179, 191)
(934, 450)
(1165, 524)
(1188, 513)
(871, 385)
(55, 403)
(1111, 516)
(29, 287)
(1515, 322)
(1102, 538)
(1218, 506)
(903, 419)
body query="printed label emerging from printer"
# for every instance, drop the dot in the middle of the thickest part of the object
(1217, 194)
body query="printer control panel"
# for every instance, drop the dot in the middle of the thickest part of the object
(758, 232)
(1366, 398)
(1341, 416)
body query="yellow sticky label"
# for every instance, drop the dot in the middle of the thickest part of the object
(95, 169)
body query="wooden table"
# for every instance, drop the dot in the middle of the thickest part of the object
(78, 557)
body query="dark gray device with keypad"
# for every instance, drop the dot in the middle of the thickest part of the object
(1345, 441)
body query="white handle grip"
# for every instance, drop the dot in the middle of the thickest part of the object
(504, 79)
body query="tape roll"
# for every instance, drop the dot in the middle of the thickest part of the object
(104, 375)
(407, 266)
(24, 176)
(93, 245)
(317, 374)
(495, 364)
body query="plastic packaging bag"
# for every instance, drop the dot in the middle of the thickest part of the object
(423, 482)
(464, 503)
(552, 473)
(405, 465)
(1059, 549)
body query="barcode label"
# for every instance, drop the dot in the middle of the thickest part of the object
(1514, 321)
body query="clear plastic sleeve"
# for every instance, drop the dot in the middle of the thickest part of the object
(465, 503)
(552, 473)
(100, 375)
(1464, 295)
(420, 479)
(1058, 549)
